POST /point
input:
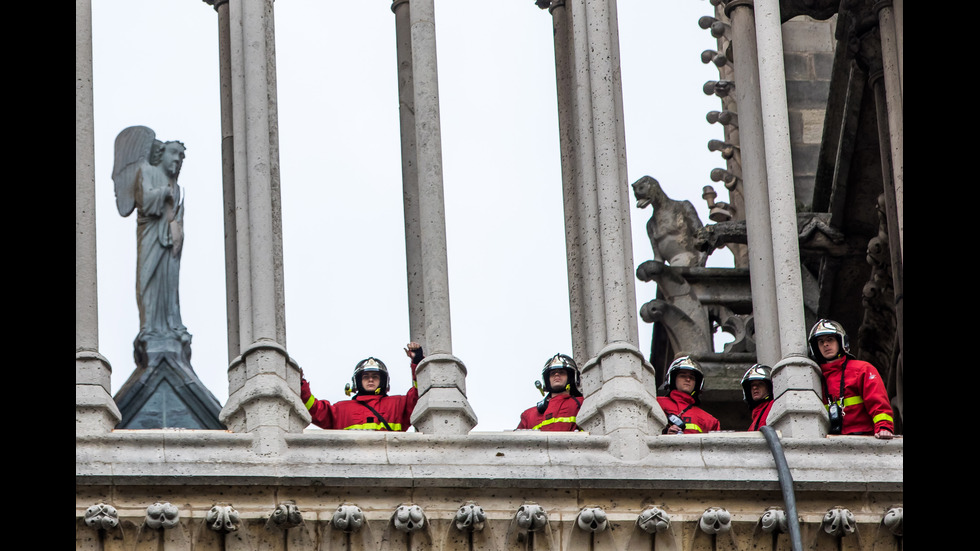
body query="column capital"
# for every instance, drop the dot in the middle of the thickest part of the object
(263, 385)
(95, 410)
(798, 411)
(620, 398)
(215, 3)
(549, 5)
(442, 407)
(730, 5)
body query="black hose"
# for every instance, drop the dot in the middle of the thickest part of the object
(786, 483)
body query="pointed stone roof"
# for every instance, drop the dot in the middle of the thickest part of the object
(165, 395)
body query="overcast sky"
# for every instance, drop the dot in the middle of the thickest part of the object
(156, 64)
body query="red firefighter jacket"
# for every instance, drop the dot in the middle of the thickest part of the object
(760, 413)
(354, 415)
(696, 420)
(558, 416)
(866, 406)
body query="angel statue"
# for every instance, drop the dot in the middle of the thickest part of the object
(145, 175)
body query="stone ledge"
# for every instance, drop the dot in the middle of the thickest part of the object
(498, 460)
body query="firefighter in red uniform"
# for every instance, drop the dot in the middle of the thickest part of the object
(371, 408)
(757, 393)
(685, 381)
(557, 411)
(857, 401)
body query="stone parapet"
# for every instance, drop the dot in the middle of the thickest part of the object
(410, 490)
(355, 459)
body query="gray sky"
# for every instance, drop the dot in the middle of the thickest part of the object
(156, 64)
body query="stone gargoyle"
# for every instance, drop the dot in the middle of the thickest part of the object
(672, 226)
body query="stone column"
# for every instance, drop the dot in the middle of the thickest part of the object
(95, 411)
(893, 99)
(442, 407)
(617, 382)
(890, 183)
(568, 130)
(754, 181)
(798, 411)
(263, 380)
(228, 178)
(410, 179)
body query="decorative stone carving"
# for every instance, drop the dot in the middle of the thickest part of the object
(718, 211)
(672, 226)
(223, 518)
(286, 515)
(409, 518)
(711, 56)
(894, 520)
(145, 173)
(726, 149)
(727, 177)
(774, 520)
(720, 88)
(726, 118)
(740, 326)
(348, 518)
(592, 519)
(470, 516)
(715, 520)
(101, 517)
(653, 520)
(838, 522)
(716, 26)
(162, 514)
(531, 517)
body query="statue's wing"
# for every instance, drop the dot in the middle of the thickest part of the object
(133, 146)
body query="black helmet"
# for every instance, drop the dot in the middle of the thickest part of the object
(369, 365)
(827, 327)
(757, 372)
(561, 361)
(689, 364)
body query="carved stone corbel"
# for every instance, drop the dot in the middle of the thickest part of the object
(653, 520)
(592, 519)
(894, 520)
(223, 518)
(470, 517)
(715, 520)
(162, 514)
(838, 522)
(286, 516)
(531, 517)
(774, 520)
(348, 518)
(102, 517)
(409, 518)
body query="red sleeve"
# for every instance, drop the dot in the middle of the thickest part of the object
(525, 420)
(320, 410)
(876, 400)
(411, 398)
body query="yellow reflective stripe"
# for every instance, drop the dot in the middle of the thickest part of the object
(883, 417)
(852, 401)
(310, 401)
(692, 426)
(374, 426)
(555, 420)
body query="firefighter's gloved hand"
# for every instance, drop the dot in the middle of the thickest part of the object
(414, 350)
